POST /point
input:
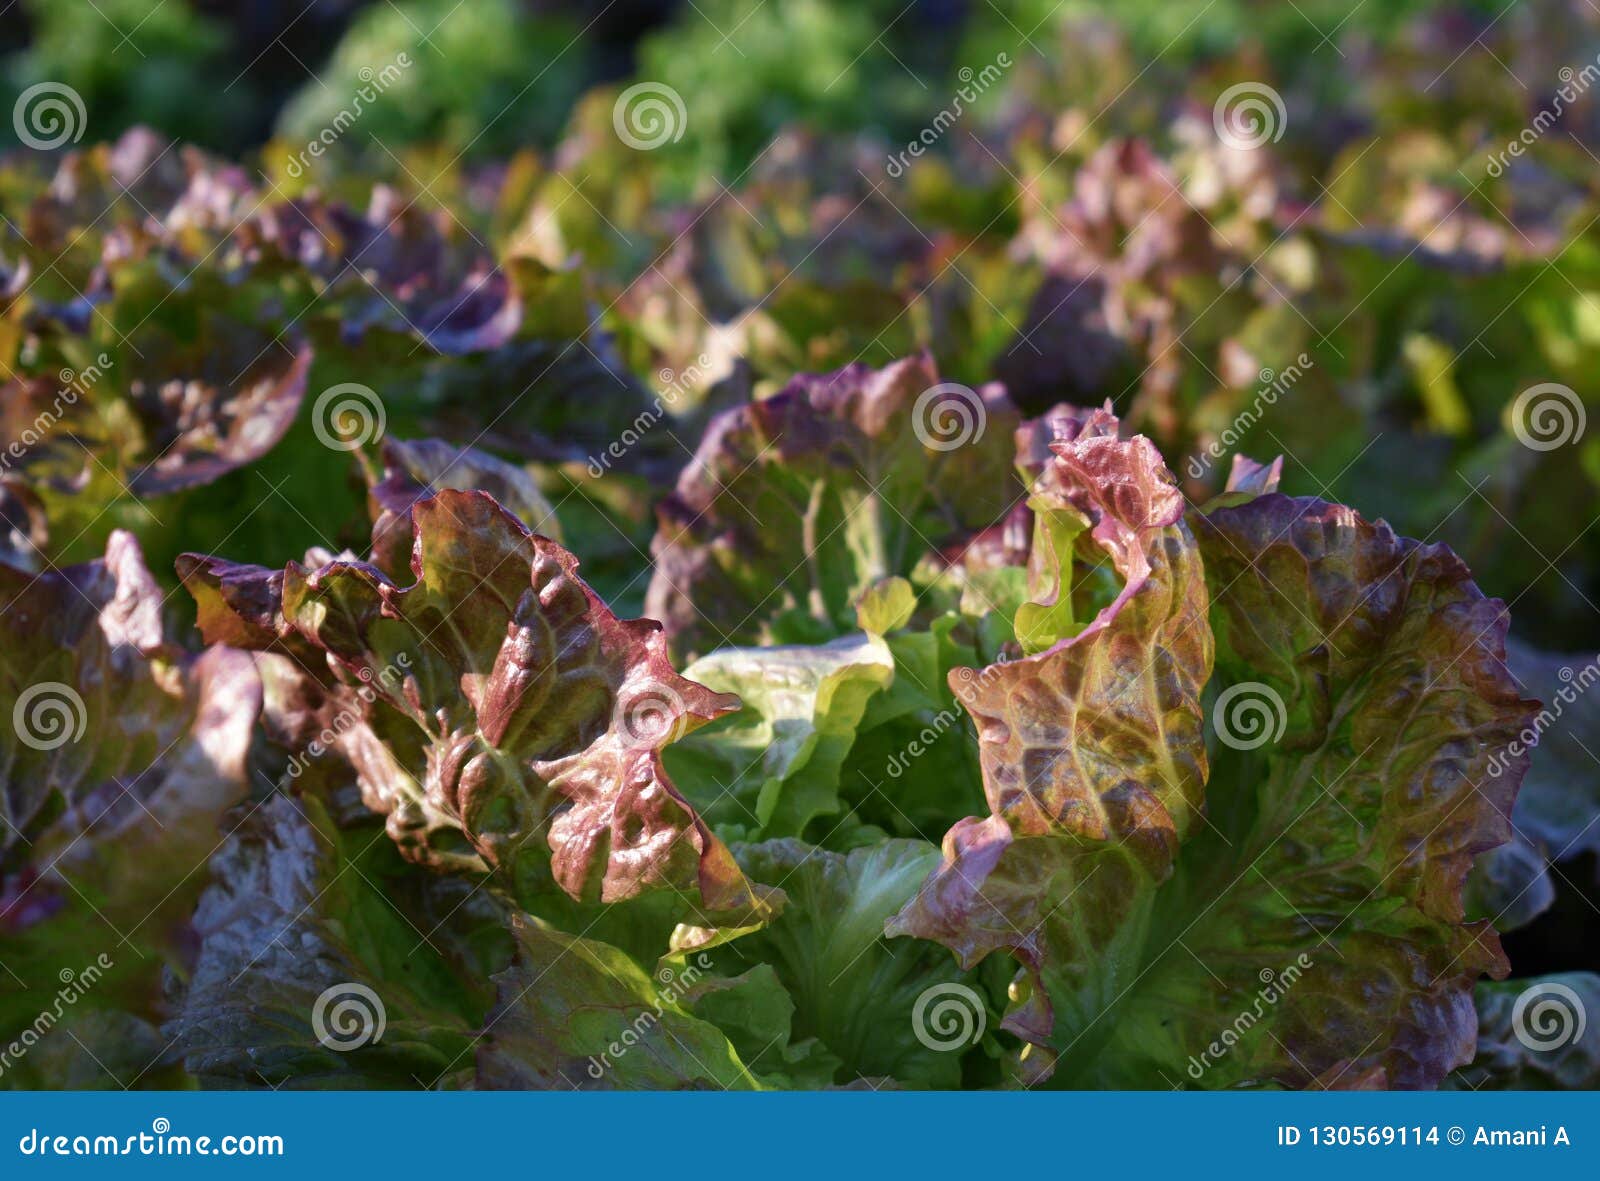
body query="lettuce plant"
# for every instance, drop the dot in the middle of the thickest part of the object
(124, 754)
(1148, 876)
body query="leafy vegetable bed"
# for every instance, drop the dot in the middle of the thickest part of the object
(991, 720)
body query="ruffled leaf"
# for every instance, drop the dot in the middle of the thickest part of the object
(119, 756)
(119, 747)
(1363, 694)
(1319, 893)
(797, 503)
(773, 766)
(515, 723)
(414, 470)
(1092, 751)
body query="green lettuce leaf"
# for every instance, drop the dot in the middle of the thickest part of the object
(757, 1013)
(576, 1014)
(774, 766)
(861, 995)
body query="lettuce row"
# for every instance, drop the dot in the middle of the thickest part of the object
(520, 784)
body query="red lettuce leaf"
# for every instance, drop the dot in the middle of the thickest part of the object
(798, 502)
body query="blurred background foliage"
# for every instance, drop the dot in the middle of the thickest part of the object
(496, 75)
(502, 124)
